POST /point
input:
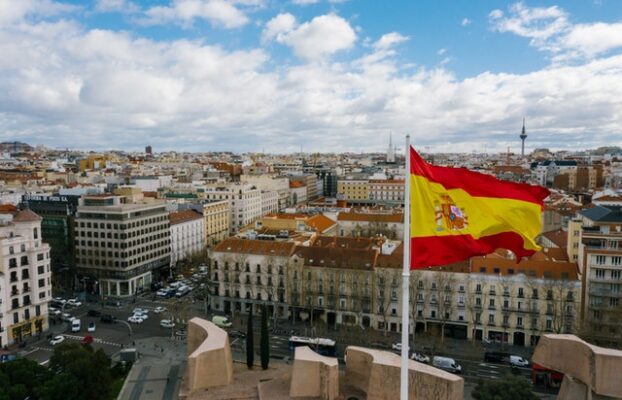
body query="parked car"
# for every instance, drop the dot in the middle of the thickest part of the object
(56, 340)
(447, 364)
(93, 313)
(518, 361)
(59, 300)
(138, 310)
(54, 311)
(88, 339)
(237, 335)
(67, 317)
(166, 323)
(422, 358)
(74, 303)
(397, 346)
(135, 319)
(107, 318)
(159, 309)
(75, 325)
(182, 291)
(221, 322)
(91, 327)
(142, 316)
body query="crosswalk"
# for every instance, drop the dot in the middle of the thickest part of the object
(95, 340)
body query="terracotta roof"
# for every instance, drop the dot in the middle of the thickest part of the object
(183, 216)
(7, 208)
(550, 262)
(259, 247)
(387, 181)
(296, 184)
(368, 217)
(286, 216)
(26, 216)
(320, 223)
(330, 257)
(558, 237)
(344, 242)
(608, 198)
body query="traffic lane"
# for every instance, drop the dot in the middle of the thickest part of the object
(482, 370)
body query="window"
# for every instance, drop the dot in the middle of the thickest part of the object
(600, 259)
(491, 303)
(519, 321)
(616, 260)
(615, 274)
(491, 318)
(506, 320)
(600, 273)
(521, 292)
(549, 324)
(24, 260)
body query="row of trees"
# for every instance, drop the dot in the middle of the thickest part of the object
(75, 372)
(264, 344)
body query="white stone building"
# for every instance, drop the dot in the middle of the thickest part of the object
(25, 276)
(245, 201)
(187, 234)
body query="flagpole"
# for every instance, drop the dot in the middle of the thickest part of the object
(406, 276)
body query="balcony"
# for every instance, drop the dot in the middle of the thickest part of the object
(14, 306)
(506, 294)
(26, 290)
(492, 293)
(460, 304)
(14, 292)
(492, 307)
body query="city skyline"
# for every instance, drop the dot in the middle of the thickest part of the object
(254, 75)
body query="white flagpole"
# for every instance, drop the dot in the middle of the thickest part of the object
(406, 277)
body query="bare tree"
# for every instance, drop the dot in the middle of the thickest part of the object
(384, 288)
(445, 281)
(418, 298)
(475, 298)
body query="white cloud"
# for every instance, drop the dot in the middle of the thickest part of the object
(12, 10)
(282, 23)
(62, 84)
(549, 29)
(322, 36)
(441, 52)
(466, 22)
(388, 40)
(304, 2)
(184, 12)
(122, 6)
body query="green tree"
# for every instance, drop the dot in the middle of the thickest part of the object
(89, 370)
(21, 378)
(250, 351)
(509, 388)
(264, 348)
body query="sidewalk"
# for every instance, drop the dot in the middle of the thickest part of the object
(158, 372)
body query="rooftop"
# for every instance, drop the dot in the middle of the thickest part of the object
(183, 216)
(258, 247)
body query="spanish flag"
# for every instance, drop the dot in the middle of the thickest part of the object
(456, 214)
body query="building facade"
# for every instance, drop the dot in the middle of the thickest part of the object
(600, 259)
(121, 245)
(386, 191)
(217, 215)
(25, 276)
(244, 200)
(353, 189)
(187, 234)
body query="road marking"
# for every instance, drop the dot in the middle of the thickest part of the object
(44, 362)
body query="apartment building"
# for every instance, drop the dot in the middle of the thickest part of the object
(298, 192)
(311, 183)
(353, 189)
(269, 202)
(217, 215)
(122, 244)
(370, 222)
(244, 201)
(357, 281)
(386, 191)
(276, 223)
(598, 233)
(269, 182)
(187, 234)
(25, 276)
(248, 273)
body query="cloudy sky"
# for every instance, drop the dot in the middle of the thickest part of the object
(330, 75)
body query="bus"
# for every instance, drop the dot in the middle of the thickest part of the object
(325, 347)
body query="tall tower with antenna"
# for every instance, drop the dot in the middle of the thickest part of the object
(523, 136)
(391, 151)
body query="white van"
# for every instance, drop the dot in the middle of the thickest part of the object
(518, 361)
(447, 364)
(221, 322)
(75, 325)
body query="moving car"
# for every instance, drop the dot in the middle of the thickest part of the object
(422, 358)
(496, 357)
(56, 340)
(75, 325)
(107, 318)
(93, 313)
(67, 317)
(135, 319)
(91, 327)
(518, 361)
(88, 339)
(221, 322)
(159, 309)
(447, 364)
(182, 291)
(166, 323)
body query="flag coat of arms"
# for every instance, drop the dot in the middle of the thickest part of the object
(456, 214)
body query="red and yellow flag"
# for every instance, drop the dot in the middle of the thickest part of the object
(457, 214)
